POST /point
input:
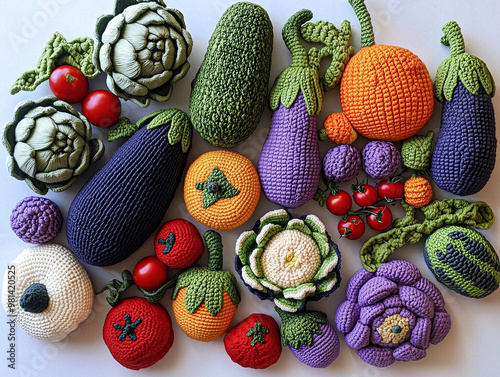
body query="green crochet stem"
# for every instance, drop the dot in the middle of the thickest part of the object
(57, 52)
(469, 69)
(367, 35)
(298, 328)
(116, 287)
(213, 240)
(409, 230)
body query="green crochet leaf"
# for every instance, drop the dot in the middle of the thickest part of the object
(216, 187)
(57, 52)
(297, 329)
(122, 128)
(116, 287)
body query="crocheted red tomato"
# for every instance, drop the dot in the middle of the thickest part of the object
(255, 342)
(138, 333)
(178, 244)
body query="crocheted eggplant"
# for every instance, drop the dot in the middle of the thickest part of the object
(123, 203)
(289, 164)
(465, 151)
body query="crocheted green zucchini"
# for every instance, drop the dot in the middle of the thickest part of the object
(229, 91)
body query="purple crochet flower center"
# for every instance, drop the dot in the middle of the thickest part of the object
(397, 288)
(341, 163)
(323, 351)
(381, 159)
(36, 220)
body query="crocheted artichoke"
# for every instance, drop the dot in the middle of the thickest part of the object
(393, 314)
(341, 163)
(288, 260)
(49, 144)
(36, 220)
(143, 48)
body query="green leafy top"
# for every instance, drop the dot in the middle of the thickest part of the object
(57, 52)
(181, 129)
(297, 329)
(216, 187)
(207, 284)
(302, 75)
(469, 69)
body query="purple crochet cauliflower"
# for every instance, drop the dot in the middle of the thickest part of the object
(393, 314)
(341, 163)
(381, 159)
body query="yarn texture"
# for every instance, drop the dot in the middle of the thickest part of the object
(53, 292)
(392, 315)
(341, 163)
(381, 159)
(416, 151)
(36, 220)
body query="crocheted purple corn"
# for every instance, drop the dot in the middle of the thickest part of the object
(341, 163)
(393, 314)
(381, 159)
(36, 220)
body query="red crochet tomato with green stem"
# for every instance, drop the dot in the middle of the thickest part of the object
(150, 273)
(380, 218)
(339, 202)
(351, 227)
(68, 84)
(390, 189)
(364, 195)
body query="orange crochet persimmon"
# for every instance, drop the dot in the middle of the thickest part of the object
(386, 91)
(418, 192)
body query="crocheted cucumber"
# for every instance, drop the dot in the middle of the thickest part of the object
(463, 260)
(125, 201)
(229, 91)
(465, 151)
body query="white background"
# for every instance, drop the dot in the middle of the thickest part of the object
(471, 348)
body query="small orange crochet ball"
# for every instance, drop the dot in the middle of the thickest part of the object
(418, 192)
(221, 189)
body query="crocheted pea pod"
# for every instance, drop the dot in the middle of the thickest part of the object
(289, 164)
(386, 77)
(125, 201)
(229, 91)
(205, 299)
(465, 151)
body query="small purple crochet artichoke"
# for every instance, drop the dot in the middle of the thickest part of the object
(393, 314)
(36, 220)
(341, 163)
(381, 159)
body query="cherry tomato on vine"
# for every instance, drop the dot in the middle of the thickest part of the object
(390, 191)
(102, 108)
(339, 204)
(351, 227)
(380, 218)
(364, 195)
(68, 84)
(150, 273)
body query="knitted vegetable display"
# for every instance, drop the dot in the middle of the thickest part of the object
(143, 48)
(463, 260)
(53, 293)
(289, 164)
(288, 260)
(221, 189)
(205, 299)
(255, 342)
(393, 314)
(229, 91)
(134, 187)
(465, 151)
(393, 80)
(36, 220)
(49, 144)
(138, 333)
(409, 229)
(341, 163)
(310, 337)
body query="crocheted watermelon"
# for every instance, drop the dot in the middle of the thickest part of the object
(463, 260)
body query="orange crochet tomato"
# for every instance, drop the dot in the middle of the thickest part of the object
(418, 192)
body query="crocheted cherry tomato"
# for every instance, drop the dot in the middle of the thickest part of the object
(364, 195)
(138, 333)
(390, 190)
(178, 244)
(255, 342)
(102, 108)
(339, 204)
(150, 273)
(380, 218)
(68, 84)
(351, 227)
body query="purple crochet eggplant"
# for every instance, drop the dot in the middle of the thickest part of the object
(465, 151)
(381, 159)
(36, 220)
(289, 164)
(392, 314)
(341, 163)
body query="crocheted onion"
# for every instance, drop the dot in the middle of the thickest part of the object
(36, 220)
(381, 159)
(341, 163)
(393, 314)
